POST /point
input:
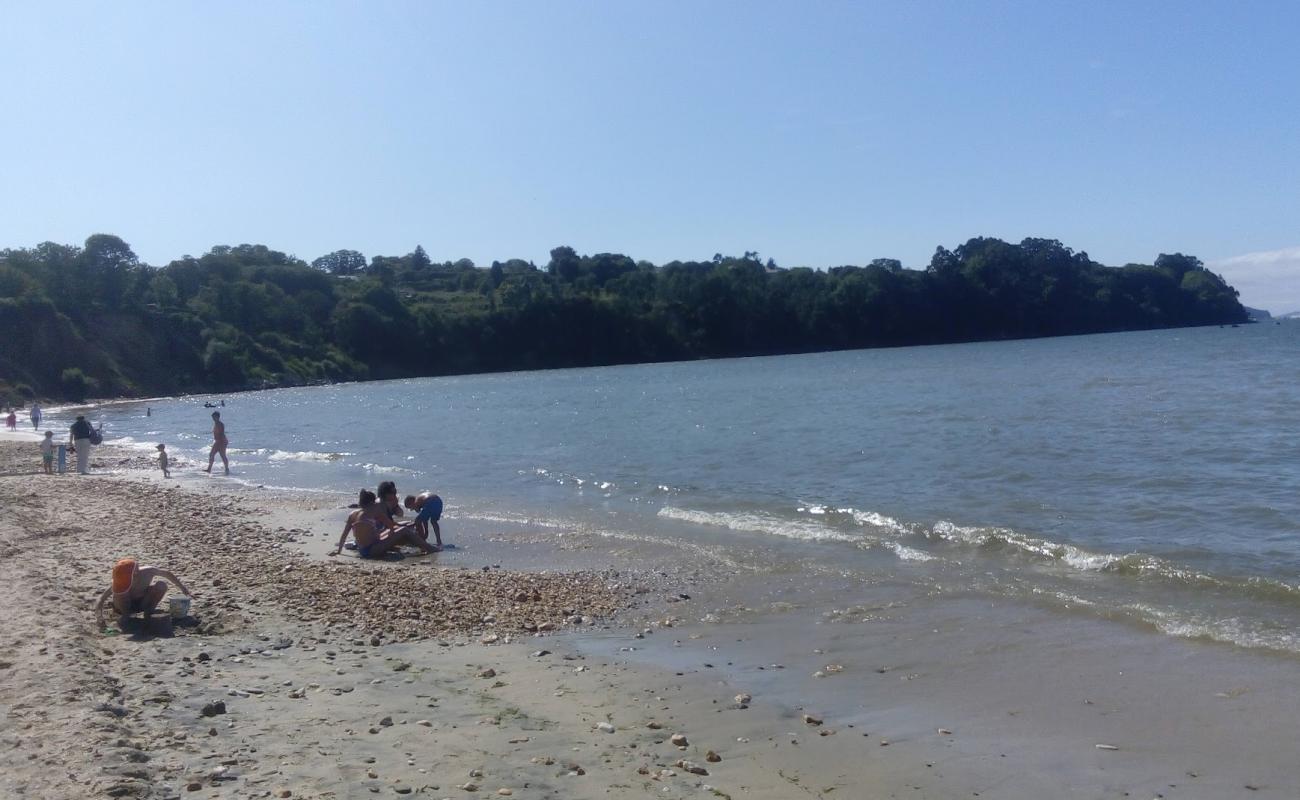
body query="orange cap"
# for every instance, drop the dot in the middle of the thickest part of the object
(123, 574)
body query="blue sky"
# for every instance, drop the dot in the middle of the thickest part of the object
(815, 133)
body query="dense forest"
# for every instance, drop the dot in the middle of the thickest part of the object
(95, 321)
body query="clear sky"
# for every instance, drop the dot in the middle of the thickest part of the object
(815, 133)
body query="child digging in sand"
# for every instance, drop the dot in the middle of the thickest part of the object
(162, 460)
(134, 591)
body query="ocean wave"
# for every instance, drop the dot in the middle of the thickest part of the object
(369, 467)
(907, 553)
(1080, 559)
(569, 479)
(306, 455)
(1229, 630)
(760, 523)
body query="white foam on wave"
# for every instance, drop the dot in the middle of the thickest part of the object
(369, 467)
(306, 455)
(1230, 630)
(759, 523)
(1070, 555)
(819, 530)
(907, 553)
(519, 519)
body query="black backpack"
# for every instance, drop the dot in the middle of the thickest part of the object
(97, 435)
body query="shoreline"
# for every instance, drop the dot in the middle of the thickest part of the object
(946, 697)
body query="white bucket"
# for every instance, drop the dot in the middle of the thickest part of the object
(179, 606)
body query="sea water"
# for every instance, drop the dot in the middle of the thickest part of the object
(1148, 478)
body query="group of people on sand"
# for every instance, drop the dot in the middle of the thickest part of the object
(376, 531)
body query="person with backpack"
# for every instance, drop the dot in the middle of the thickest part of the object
(81, 433)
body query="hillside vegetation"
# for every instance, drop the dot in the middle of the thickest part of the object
(94, 321)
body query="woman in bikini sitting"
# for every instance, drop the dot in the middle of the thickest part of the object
(375, 532)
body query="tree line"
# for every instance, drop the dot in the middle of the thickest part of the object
(93, 320)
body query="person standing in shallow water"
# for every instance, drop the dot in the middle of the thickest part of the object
(219, 443)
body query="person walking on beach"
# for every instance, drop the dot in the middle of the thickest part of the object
(35, 414)
(47, 453)
(80, 434)
(162, 460)
(219, 443)
(429, 506)
(12, 420)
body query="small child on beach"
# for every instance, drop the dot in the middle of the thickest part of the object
(47, 452)
(429, 506)
(162, 460)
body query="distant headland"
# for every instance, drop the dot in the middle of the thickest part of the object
(94, 320)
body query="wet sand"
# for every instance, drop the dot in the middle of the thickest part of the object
(303, 676)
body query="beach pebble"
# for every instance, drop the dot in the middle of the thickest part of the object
(505, 792)
(605, 727)
(491, 638)
(424, 722)
(387, 722)
(469, 787)
(654, 726)
(213, 709)
(476, 773)
(487, 673)
(812, 720)
(678, 740)
(283, 793)
(712, 757)
(692, 767)
(1107, 747)
(945, 732)
(743, 699)
(193, 786)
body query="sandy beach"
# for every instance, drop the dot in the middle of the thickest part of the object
(297, 675)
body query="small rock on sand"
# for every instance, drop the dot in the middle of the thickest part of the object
(213, 709)
(712, 757)
(605, 727)
(487, 673)
(678, 740)
(743, 699)
(811, 720)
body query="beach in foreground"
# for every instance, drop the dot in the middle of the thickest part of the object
(302, 676)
